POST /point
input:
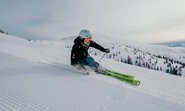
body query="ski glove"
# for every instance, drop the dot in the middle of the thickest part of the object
(107, 50)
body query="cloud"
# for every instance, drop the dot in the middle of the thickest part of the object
(138, 20)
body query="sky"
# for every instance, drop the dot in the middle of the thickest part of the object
(142, 21)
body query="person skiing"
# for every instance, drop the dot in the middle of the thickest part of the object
(79, 52)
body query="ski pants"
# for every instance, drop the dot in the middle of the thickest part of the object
(90, 62)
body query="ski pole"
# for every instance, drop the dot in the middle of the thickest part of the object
(102, 57)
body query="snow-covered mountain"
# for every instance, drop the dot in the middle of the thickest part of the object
(37, 76)
(156, 57)
(174, 44)
(3, 32)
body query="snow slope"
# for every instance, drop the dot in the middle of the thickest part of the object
(36, 76)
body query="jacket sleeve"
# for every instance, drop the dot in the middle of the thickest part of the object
(97, 46)
(73, 56)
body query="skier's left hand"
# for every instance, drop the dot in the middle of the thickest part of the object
(107, 50)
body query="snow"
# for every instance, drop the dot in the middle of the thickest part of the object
(37, 76)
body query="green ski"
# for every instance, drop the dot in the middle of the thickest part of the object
(126, 76)
(122, 77)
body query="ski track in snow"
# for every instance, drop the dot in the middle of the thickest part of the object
(14, 98)
(23, 100)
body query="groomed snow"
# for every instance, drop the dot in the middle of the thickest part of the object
(36, 76)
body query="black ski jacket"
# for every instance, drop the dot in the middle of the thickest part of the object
(79, 51)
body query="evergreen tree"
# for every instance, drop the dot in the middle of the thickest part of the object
(174, 71)
(122, 60)
(129, 60)
(161, 69)
(171, 70)
(167, 71)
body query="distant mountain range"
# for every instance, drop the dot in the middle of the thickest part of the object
(174, 43)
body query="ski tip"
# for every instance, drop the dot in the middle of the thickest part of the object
(138, 83)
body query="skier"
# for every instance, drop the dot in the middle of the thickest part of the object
(79, 52)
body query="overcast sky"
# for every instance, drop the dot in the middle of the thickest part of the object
(143, 21)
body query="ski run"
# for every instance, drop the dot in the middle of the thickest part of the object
(37, 76)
